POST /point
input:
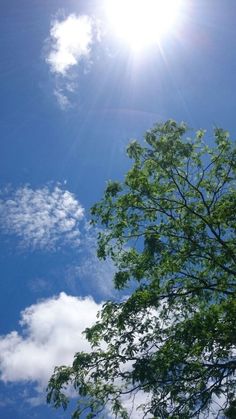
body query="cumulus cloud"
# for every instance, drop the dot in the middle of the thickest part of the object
(51, 335)
(42, 218)
(70, 41)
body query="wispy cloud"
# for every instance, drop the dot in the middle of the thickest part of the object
(52, 219)
(42, 218)
(62, 99)
(70, 41)
(51, 335)
(89, 274)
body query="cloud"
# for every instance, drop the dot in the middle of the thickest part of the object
(62, 99)
(89, 274)
(42, 218)
(70, 41)
(51, 335)
(50, 219)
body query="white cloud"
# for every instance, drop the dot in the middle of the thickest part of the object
(51, 335)
(62, 99)
(41, 218)
(70, 42)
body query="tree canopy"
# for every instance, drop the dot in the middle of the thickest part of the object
(170, 229)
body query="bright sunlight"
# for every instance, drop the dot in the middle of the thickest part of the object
(141, 23)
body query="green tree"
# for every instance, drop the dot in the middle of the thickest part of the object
(170, 230)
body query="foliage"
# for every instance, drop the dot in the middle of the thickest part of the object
(170, 229)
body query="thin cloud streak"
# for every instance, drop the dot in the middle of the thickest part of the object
(89, 274)
(62, 99)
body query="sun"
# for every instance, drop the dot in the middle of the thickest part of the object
(141, 22)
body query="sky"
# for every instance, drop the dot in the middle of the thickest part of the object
(76, 86)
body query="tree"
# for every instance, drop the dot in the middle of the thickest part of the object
(170, 230)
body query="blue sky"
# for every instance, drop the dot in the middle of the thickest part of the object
(73, 93)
